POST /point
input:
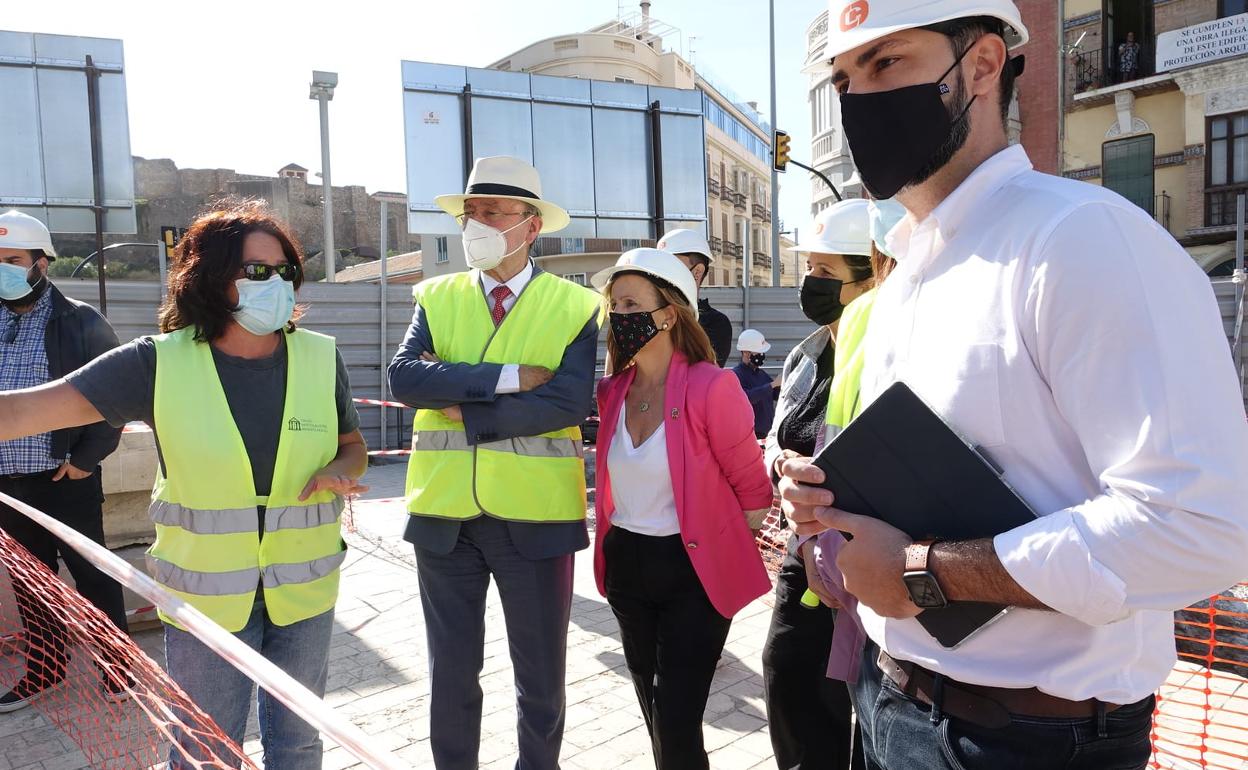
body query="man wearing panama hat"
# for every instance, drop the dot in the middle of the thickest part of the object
(499, 363)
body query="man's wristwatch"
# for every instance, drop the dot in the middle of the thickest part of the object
(920, 582)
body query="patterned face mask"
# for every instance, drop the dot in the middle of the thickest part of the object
(632, 331)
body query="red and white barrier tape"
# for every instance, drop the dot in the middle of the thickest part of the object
(377, 402)
(389, 452)
(255, 666)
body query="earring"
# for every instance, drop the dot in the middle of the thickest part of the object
(664, 326)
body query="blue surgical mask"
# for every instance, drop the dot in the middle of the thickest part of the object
(885, 215)
(14, 282)
(264, 306)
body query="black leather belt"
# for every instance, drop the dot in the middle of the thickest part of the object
(989, 707)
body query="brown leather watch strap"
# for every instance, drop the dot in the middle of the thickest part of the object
(916, 555)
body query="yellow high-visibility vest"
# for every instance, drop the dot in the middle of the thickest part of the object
(208, 548)
(528, 478)
(843, 401)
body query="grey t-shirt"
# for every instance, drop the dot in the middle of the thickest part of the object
(121, 385)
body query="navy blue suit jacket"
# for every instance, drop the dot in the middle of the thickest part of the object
(563, 402)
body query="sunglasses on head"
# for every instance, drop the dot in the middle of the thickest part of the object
(258, 271)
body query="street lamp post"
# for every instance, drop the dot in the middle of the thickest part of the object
(322, 90)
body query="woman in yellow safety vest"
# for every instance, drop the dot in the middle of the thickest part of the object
(809, 715)
(258, 443)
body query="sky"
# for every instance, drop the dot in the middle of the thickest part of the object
(226, 85)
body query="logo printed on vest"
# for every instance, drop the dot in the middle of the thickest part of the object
(294, 424)
(854, 14)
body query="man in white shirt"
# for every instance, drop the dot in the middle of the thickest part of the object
(1058, 327)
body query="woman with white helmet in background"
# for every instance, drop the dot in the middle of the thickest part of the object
(808, 714)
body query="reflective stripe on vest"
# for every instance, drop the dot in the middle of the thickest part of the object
(530, 446)
(208, 547)
(843, 401)
(528, 478)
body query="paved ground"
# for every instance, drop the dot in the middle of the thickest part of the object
(378, 675)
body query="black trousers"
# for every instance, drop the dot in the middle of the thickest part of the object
(78, 504)
(808, 714)
(672, 638)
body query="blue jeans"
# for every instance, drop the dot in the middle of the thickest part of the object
(899, 733)
(224, 693)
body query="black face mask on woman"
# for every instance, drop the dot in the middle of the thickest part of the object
(631, 332)
(821, 299)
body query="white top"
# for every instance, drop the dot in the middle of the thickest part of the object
(509, 377)
(1055, 324)
(641, 483)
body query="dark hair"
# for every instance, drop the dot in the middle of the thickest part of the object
(859, 266)
(208, 259)
(700, 259)
(963, 33)
(687, 334)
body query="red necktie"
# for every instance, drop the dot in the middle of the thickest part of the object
(499, 294)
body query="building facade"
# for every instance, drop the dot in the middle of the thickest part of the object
(1156, 109)
(738, 151)
(1033, 119)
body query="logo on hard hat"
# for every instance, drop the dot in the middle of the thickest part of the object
(854, 14)
(819, 229)
(662, 244)
(4, 231)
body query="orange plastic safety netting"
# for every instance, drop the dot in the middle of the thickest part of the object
(91, 684)
(1202, 710)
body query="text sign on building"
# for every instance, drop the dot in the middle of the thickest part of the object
(45, 131)
(1203, 43)
(595, 144)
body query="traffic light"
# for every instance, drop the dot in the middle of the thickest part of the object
(780, 150)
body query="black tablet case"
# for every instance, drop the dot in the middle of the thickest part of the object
(899, 462)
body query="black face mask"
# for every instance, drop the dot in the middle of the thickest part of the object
(38, 281)
(757, 359)
(821, 299)
(906, 135)
(631, 332)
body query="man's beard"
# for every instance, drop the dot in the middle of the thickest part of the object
(960, 115)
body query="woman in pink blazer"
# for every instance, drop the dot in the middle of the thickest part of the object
(681, 483)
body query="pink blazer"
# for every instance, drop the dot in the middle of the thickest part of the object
(717, 474)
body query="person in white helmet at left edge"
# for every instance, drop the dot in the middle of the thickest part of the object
(44, 336)
(1053, 324)
(691, 248)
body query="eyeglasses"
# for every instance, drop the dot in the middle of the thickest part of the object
(10, 329)
(259, 271)
(489, 217)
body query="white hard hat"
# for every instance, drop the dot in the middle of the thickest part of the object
(752, 341)
(654, 262)
(22, 231)
(842, 228)
(854, 23)
(683, 241)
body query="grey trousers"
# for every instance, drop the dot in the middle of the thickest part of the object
(537, 601)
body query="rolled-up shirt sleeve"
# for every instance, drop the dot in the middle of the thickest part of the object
(1125, 330)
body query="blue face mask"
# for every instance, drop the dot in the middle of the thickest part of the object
(884, 216)
(264, 306)
(14, 282)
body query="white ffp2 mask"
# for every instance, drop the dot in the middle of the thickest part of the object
(484, 246)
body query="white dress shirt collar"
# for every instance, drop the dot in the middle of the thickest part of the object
(516, 283)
